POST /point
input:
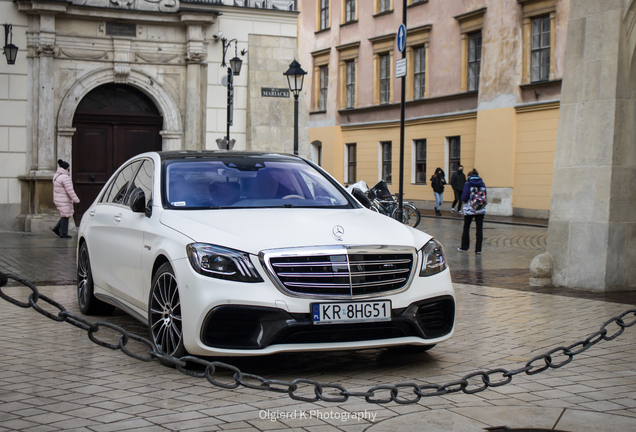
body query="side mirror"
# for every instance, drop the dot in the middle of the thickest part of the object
(137, 200)
(361, 197)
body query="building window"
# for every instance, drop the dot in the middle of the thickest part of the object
(386, 161)
(385, 78)
(350, 10)
(316, 152)
(540, 69)
(420, 73)
(474, 60)
(351, 84)
(351, 164)
(420, 161)
(384, 6)
(324, 83)
(347, 75)
(454, 154)
(324, 14)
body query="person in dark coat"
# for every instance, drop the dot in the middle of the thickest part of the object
(437, 183)
(473, 209)
(458, 179)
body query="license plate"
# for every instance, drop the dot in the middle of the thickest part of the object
(354, 312)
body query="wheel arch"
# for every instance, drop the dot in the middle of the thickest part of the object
(159, 261)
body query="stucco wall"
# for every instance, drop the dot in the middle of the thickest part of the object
(270, 120)
(534, 158)
(435, 133)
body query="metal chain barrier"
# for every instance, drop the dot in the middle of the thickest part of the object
(401, 393)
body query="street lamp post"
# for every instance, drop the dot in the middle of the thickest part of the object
(295, 75)
(233, 70)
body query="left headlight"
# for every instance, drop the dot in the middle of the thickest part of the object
(222, 263)
(433, 260)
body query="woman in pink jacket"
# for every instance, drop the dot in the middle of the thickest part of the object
(63, 198)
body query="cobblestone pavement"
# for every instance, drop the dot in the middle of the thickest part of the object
(43, 259)
(52, 377)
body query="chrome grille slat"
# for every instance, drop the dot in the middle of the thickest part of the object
(353, 274)
(358, 285)
(341, 271)
(343, 263)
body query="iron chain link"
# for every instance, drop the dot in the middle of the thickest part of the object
(401, 393)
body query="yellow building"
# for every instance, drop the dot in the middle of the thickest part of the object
(483, 88)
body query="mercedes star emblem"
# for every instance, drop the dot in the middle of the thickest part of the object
(338, 231)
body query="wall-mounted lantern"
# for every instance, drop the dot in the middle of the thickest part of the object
(10, 50)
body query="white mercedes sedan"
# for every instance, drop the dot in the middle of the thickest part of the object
(225, 253)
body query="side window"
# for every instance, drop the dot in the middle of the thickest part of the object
(144, 180)
(119, 190)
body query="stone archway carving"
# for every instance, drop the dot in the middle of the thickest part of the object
(172, 126)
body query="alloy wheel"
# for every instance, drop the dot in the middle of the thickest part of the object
(83, 275)
(165, 315)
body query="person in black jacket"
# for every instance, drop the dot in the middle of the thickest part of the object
(458, 179)
(437, 183)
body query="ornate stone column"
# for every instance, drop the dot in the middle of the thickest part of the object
(592, 230)
(195, 88)
(45, 50)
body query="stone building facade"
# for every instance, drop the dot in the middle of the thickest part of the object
(483, 89)
(98, 81)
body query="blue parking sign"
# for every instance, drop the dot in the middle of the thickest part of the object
(401, 38)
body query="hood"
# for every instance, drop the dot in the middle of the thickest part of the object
(253, 230)
(475, 181)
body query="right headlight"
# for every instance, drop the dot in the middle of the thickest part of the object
(222, 263)
(433, 260)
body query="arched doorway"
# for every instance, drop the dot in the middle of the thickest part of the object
(113, 123)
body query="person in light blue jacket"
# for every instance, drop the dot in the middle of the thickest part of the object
(475, 198)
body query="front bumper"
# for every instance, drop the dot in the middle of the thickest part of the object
(226, 318)
(255, 328)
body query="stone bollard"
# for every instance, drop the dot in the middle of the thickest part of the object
(541, 270)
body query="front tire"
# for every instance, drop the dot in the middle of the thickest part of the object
(164, 313)
(88, 303)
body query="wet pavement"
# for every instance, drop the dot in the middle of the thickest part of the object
(508, 249)
(52, 377)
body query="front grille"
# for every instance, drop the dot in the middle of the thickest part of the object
(342, 271)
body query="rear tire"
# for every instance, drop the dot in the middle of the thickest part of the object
(164, 313)
(88, 303)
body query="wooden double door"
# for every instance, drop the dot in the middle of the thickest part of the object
(113, 123)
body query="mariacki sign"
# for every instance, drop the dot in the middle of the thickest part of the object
(274, 92)
(121, 29)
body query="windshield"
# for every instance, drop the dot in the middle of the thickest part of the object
(248, 183)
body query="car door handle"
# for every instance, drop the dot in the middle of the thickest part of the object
(91, 213)
(117, 218)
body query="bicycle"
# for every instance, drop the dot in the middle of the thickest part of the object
(379, 199)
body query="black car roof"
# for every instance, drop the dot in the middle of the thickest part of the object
(223, 154)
